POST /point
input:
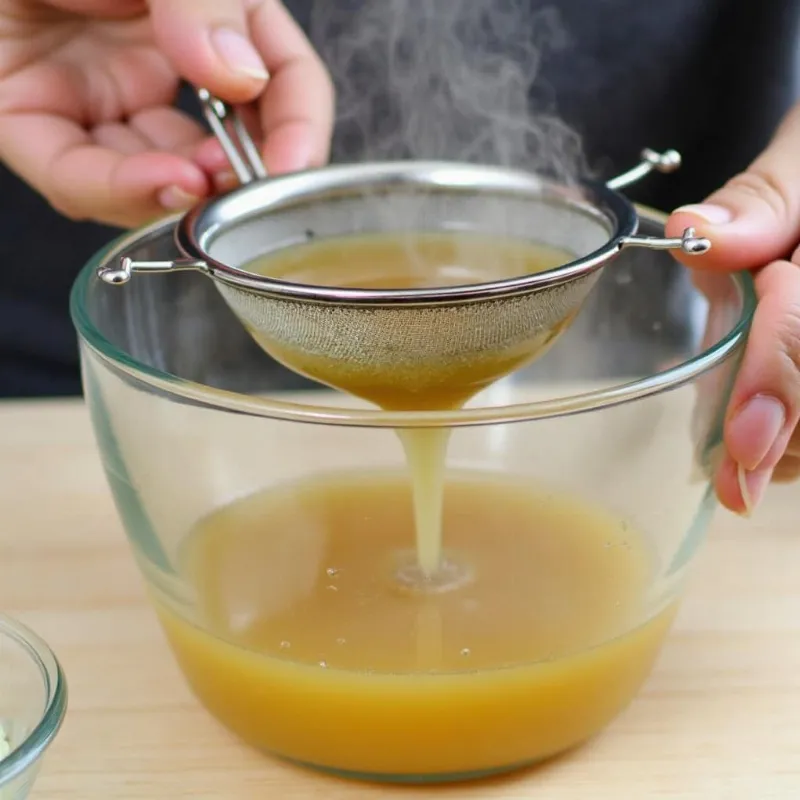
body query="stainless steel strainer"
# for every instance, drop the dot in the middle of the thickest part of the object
(429, 329)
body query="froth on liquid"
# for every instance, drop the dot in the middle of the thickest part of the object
(305, 643)
(413, 261)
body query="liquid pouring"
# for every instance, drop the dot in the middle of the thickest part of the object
(414, 261)
(322, 628)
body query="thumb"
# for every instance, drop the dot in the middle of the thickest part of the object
(755, 218)
(208, 44)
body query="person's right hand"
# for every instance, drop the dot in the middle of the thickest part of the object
(87, 87)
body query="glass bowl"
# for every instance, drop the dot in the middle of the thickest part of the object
(33, 702)
(226, 468)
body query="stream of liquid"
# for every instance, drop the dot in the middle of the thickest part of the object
(451, 625)
(414, 261)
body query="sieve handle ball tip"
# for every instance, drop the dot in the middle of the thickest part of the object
(694, 245)
(123, 270)
(649, 161)
(689, 242)
(116, 275)
(666, 162)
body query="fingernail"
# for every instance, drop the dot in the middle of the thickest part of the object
(238, 53)
(176, 199)
(752, 486)
(714, 215)
(226, 180)
(754, 429)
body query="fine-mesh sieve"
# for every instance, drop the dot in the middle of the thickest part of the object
(430, 331)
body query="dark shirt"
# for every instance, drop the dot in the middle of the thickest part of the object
(710, 78)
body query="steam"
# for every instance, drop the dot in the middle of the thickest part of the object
(446, 79)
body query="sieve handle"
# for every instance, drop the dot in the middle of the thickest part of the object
(668, 161)
(232, 134)
(690, 243)
(127, 266)
(245, 160)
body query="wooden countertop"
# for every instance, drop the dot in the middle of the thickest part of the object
(718, 720)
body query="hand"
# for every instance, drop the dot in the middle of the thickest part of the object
(87, 87)
(753, 223)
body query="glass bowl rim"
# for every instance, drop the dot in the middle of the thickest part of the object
(212, 398)
(28, 752)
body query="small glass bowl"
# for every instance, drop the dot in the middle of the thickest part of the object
(33, 702)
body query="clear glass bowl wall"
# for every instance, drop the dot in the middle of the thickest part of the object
(625, 410)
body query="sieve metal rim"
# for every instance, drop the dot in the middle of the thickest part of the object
(203, 221)
(224, 401)
(196, 231)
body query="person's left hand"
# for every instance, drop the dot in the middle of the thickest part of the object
(88, 88)
(753, 223)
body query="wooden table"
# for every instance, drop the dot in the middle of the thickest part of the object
(718, 720)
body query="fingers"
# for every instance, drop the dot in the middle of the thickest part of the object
(208, 43)
(128, 173)
(84, 179)
(119, 137)
(297, 107)
(155, 129)
(765, 404)
(164, 128)
(755, 218)
(100, 8)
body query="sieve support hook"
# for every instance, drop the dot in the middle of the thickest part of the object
(690, 243)
(127, 266)
(668, 161)
(232, 134)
